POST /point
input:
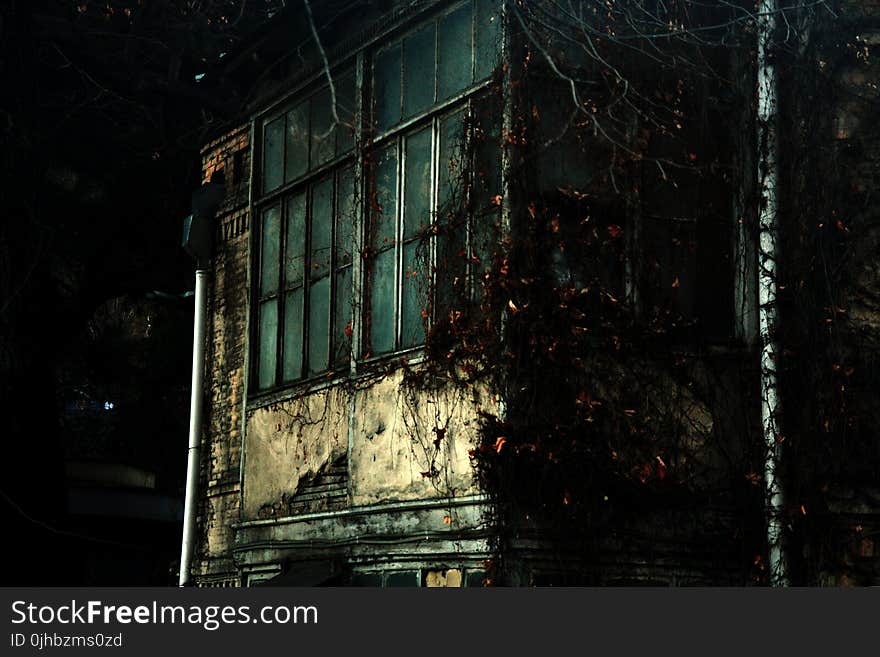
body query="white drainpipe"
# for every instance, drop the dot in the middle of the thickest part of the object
(768, 221)
(187, 546)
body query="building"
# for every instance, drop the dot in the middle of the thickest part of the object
(485, 303)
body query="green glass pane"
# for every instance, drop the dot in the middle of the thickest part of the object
(297, 141)
(405, 578)
(292, 361)
(417, 183)
(387, 88)
(450, 187)
(273, 154)
(418, 71)
(267, 339)
(322, 227)
(451, 268)
(342, 317)
(295, 249)
(416, 280)
(345, 215)
(385, 199)
(488, 37)
(454, 70)
(346, 109)
(323, 131)
(381, 319)
(271, 239)
(319, 325)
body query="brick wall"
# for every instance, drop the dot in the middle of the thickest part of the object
(222, 439)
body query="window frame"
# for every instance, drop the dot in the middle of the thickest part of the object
(395, 136)
(361, 65)
(281, 197)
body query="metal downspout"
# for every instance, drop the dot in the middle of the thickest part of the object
(187, 547)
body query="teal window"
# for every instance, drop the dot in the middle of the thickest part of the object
(435, 160)
(435, 62)
(428, 164)
(303, 317)
(307, 281)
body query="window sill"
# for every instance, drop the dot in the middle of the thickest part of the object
(369, 368)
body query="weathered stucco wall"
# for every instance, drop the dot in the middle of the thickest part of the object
(413, 445)
(288, 443)
(405, 445)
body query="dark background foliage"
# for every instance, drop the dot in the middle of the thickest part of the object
(101, 118)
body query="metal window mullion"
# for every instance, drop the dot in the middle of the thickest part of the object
(255, 250)
(402, 74)
(308, 103)
(436, 93)
(307, 284)
(473, 40)
(359, 220)
(398, 240)
(282, 290)
(432, 277)
(286, 115)
(334, 222)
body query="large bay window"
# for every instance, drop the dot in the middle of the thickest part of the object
(426, 158)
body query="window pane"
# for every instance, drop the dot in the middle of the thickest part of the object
(418, 71)
(450, 188)
(402, 578)
(454, 67)
(295, 251)
(271, 238)
(342, 317)
(417, 183)
(385, 205)
(267, 339)
(487, 150)
(323, 132)
(452, 237)
(345, 204)
(451, 267)
(415, 295)
(297, 141)
(273, 154)
(387, 72)
(382, 303)
(322, 226)
(293, 335)
(488, 45)
(346, 108)
(319, 325)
